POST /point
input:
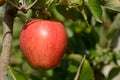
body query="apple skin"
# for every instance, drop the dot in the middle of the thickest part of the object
(43, 43)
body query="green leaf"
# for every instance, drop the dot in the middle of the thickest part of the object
(95, 53)
(114, 72)
(71, 2)
(112, 5)
(95, 9)
(114, 28)
(16, 74)
(75, 2)
(86, 72)
(72, 68)
(67, 13)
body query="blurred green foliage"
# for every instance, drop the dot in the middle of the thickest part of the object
(83, 39)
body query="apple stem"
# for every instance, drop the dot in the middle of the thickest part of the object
(10, 13)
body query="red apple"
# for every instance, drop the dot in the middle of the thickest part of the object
(43, 43)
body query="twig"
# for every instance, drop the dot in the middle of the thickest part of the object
(79, 68)
(85, 17)
(22, 7)
(31, 5)
(10, 13)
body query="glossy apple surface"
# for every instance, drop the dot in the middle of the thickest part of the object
(43, 43)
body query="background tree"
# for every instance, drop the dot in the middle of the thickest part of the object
(93, 38)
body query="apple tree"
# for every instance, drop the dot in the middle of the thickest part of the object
(59, 39)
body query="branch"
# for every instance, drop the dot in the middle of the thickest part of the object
(79, 68)
(10, 13)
